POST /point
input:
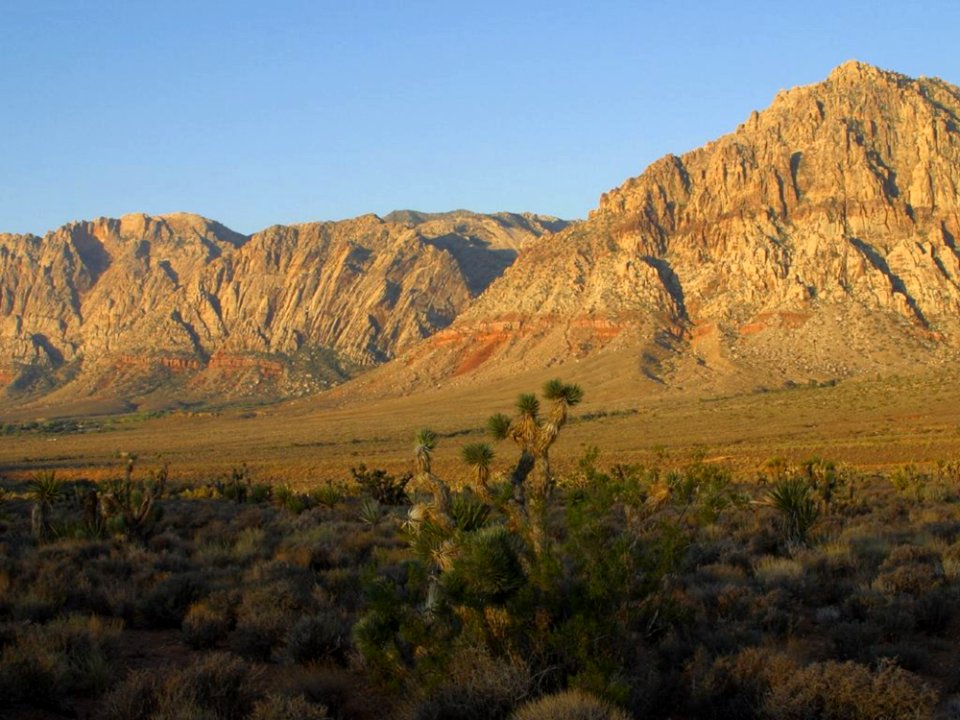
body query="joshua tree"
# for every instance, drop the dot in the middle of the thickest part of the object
(425, 442)
(479, 456)
(135, 503)
(534, 436)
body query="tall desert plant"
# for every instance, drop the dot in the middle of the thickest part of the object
(535, 435)
(425, 441)
(131, 507)
(793, 499)
(45, 490)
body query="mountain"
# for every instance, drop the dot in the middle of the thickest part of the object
(816, 241)
(181, 306)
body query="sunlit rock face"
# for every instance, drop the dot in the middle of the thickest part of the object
(148, 300)
(820, 238)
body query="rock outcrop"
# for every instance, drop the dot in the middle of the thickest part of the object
(139, 302)
(818, 240)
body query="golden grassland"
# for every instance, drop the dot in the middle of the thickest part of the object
(866, 422)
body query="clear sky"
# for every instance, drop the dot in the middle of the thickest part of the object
(255, 113)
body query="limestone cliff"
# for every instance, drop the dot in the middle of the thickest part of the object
(142, 302)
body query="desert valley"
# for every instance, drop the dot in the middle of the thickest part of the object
(695, 455)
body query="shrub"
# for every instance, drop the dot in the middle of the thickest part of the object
(45, 663)
(205, 625)
(259, 493)
(315, 637)
(370, 512)
(569, 705)
(133, 699)
(474, 687)
(218, 684)
(844, 691)
(291, 501)
(381, 486)
(166, 603)
(327, 495)
(283, 707)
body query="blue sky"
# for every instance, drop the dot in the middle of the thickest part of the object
(256, 113)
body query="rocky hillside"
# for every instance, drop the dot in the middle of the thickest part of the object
(818, 240)
(181, 303)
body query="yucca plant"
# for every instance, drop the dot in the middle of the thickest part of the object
(469, 513)
(793, 499)
(479, 456)
(328, 494)
(45, 490)
(499, 426)
(130, 507)
(425, 441)
(370, 512)
(488, 569)
(534, 436)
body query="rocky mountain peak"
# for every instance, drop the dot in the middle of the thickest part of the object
(818, 239)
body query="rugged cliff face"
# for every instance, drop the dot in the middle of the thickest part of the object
(817, 240)
(140, 302)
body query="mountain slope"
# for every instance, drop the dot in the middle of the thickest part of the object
(818, 240)
(182, 305)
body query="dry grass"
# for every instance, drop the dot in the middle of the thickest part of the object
(869, 423)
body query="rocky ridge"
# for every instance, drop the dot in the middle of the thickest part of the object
(816, 241)
(140, 303)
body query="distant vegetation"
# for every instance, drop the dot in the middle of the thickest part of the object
(615, 591)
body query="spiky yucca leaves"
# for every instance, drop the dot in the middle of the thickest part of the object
(525, 428)
(425, 441)
(469, 513)
(479, 456)
(564, 396)
(132, 507)
(45, 491)
(499, 426)
(793, 499)
(488, 569)
(535, 436)
(46, 488)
